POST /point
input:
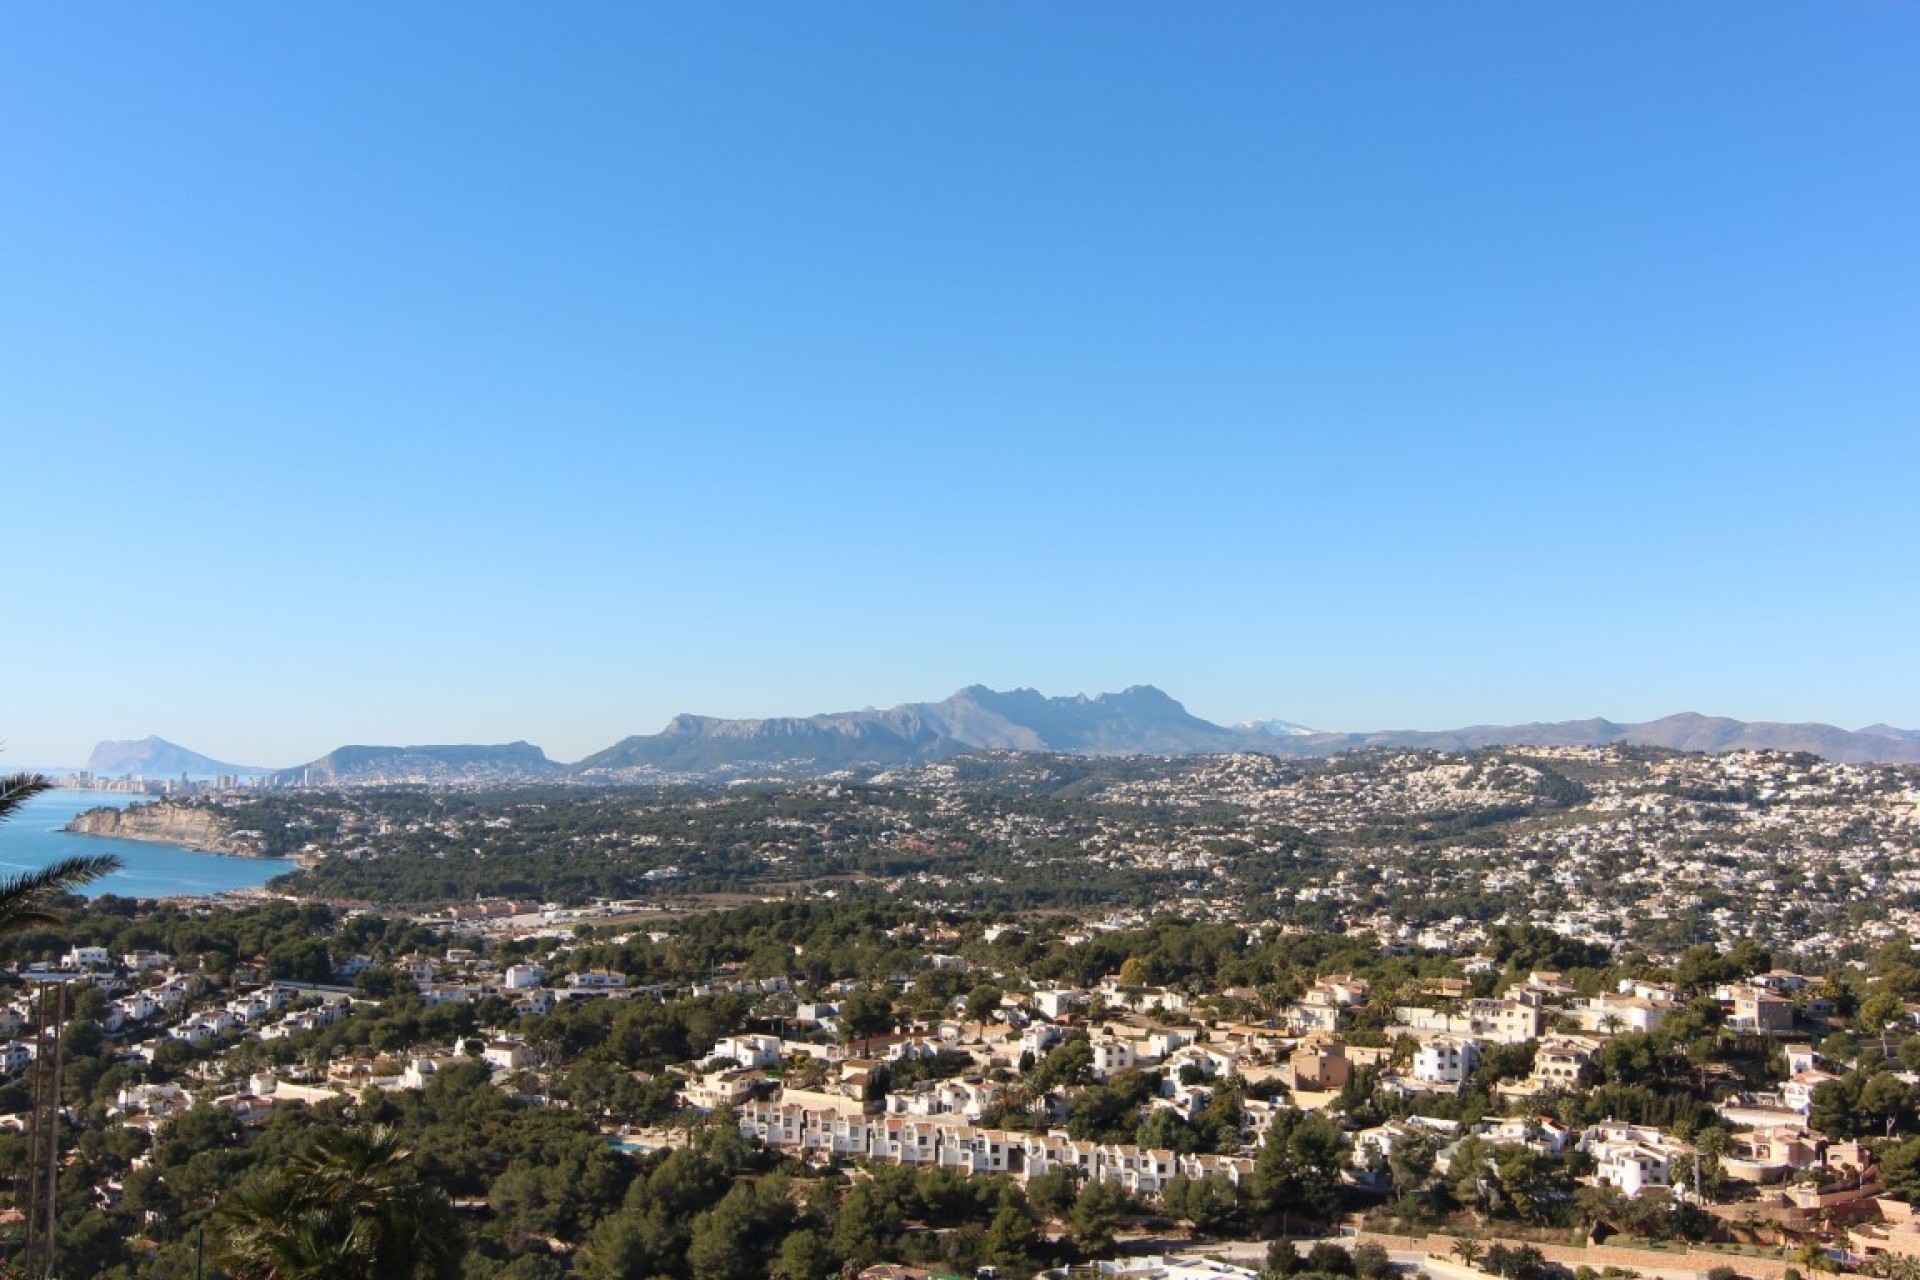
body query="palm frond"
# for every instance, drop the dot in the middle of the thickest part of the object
(350, 1203)
(62, 876)
(17, 788)
(24, 898)
(27, 916)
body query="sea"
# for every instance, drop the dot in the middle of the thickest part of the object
(32, 838)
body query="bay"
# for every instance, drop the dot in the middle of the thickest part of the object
(33, 838)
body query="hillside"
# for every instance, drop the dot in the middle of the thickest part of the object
(1687, 731)
(423, 765)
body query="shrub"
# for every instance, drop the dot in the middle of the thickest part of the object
(1370, 1261)
(1330, 1259)
(1283, 1257)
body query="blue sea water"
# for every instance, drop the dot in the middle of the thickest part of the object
(32, 839)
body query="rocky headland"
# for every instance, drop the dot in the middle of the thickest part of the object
(164, 823)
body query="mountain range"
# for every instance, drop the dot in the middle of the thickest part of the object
(1138, 721)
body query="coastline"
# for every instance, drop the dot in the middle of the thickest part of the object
(161, 822)
(191, 846)
(164, 854)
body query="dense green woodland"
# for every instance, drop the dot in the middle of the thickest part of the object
(566, 846)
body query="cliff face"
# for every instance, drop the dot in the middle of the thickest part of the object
(162, 823)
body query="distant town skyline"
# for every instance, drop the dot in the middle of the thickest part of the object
(458, 374)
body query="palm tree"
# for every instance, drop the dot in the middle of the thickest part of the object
(1893, 1266)
(1468, 1250)
(1813, 1256)
(273, 1232)
(26, 899)
(16, 789)
(350, 1206)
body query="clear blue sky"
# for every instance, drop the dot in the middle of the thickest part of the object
(468, 372)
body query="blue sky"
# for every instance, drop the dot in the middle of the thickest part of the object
(484, 371)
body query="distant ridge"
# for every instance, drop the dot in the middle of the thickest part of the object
(1140, 720)
(1144, 721)
(1687, 731)
(430, 766)
(152, 757)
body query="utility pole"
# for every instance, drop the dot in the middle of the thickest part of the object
(43, 1158)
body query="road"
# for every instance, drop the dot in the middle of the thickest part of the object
(1253, 1253)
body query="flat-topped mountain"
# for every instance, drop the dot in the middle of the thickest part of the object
(152, 757)
(432, 766)
(1137, 721)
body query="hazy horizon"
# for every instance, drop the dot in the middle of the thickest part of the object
(570, 756)
(459, 373)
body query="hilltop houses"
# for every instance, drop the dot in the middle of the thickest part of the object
(1632, 1158)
